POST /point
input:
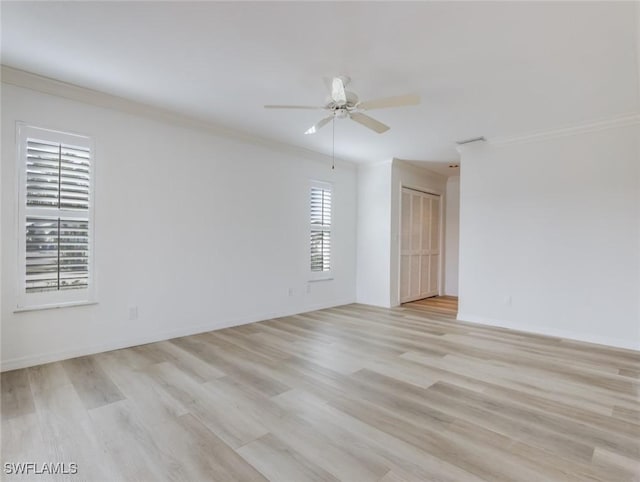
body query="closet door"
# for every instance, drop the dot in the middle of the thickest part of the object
(419, 245)
(405, 239)
(434, 247)
(415, 246)
(425, 246)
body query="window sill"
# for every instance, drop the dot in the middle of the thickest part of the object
(324, 278)
(54, 306)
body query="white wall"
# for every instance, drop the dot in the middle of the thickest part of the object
(374, 233)
(379, 200)
(451, 236)
(411, 176)
(197, 231)
(550, 236)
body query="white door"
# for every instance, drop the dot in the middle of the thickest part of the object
(419, 245)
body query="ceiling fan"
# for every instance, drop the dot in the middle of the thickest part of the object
(342, 103)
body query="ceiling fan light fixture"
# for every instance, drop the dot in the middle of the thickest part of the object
(338, 94)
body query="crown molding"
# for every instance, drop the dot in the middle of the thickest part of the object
(629, 119)
(404, 164)
(47, 85)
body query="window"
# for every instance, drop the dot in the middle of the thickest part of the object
(55, 218)
(320, 230)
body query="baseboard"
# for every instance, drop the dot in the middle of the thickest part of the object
(566, 335)
(33, 360)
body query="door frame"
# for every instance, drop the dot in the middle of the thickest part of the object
(433, 192)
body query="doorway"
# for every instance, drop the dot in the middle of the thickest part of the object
(419, 245)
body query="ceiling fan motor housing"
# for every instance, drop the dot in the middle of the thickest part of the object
(352, 102)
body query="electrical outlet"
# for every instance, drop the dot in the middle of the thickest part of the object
(308, 288)
(507, 300)
(290, 291)
(133, 313)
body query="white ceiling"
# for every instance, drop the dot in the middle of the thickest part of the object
(493, 69)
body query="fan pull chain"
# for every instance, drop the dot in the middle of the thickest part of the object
(333, 142)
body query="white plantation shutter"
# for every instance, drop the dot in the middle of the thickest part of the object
(320, 200)
(56, 215)
(58, 176)
(57, 255)
(320, 250)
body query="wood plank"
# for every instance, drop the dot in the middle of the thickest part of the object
(17, 399)
(278, 461)
(68, 434)
(134, 453)
(223, 419)
(93, 385)
(21, 440)
(221, 462)
(47, 377)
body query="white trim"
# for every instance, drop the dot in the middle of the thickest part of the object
(32, 360)
(28, 80)
(441, 195)
(326, 185)
(564, 334)
(629, 119)
(320, 276)
(418, 171)
(54, 306)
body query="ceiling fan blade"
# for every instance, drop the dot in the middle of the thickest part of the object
(399, 101)
(292, 107)
(315, 128)
(338, 94)
(369, 122)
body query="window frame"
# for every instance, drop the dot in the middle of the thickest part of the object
(328, 274)
(59, 298)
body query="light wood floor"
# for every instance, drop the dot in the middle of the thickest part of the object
(353, 393)
(436, 304)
